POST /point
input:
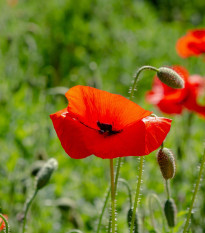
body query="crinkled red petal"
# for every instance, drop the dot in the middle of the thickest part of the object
(71, 134)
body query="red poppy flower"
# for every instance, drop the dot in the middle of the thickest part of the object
(174, 101)
(107, 125)
(2, 223)
(192, 44)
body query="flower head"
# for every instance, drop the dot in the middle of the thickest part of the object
(2, 223)
(107, 125)
(174, 101)
(192, 44)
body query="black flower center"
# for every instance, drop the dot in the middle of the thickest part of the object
(106, 129)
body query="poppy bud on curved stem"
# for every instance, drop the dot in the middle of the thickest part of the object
(166, 163)
(45, 173)
(170, 77)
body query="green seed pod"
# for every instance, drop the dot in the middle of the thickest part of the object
(170, 211)
(136, 222)
(45, 173)
(170, 77)
(166, 163)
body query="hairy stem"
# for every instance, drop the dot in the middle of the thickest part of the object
(27, 205)
(167, 188)
(137, 193)
(137, 76)
(117, 173)
(103, 210)
(194, 194)
(112, 195)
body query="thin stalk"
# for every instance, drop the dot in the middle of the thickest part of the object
(154, 196)
(112, 194)
(194, 194)
(6, 223)
(119, 162)
(137, 76)
(137, 194)
(117, 173)
(27, 205)
(103, 210)
(123, 181)
(167, 189)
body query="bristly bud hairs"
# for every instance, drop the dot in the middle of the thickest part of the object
(170, 77)
(166, 161)
(45, 173)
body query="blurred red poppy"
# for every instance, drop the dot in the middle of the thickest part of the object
(192, 44)
(107, 125)
(2, 223)
(174, 101)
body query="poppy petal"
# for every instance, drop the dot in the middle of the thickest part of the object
(90, 105)
(157, 129)
(71, 134)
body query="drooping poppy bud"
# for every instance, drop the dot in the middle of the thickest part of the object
(170, 77)
(166, 163)
(136, 221)
(45, 173)
(170, 211)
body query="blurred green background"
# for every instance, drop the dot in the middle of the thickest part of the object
(47, 47)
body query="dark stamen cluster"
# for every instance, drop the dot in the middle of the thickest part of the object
(106, 129)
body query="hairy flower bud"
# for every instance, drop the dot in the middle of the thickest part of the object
(166, 163)
(170, 211)
(170, 77)
(45, 173)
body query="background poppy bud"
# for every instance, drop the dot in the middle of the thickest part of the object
(170, 77)
(170, 211)
(129, 219)
(166, 163)
(45, 173)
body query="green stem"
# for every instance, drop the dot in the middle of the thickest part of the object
(108, 194)
(6, 223)
(123, 181)
(103, 210)
(137, 193)
(194, 194)
(150, 197)
(112, 194)
(137, 76)
(167, 188)
(117, 173)
(27, 205)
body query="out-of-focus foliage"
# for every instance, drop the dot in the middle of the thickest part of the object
(47, 47)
